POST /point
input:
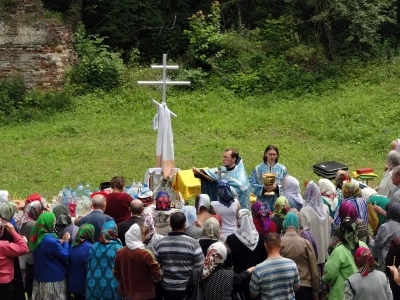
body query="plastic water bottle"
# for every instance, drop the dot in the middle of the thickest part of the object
(88, 189)
(80, 191)
(64, 197)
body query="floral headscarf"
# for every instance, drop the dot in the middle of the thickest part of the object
(224, 193)
(351, 190)
(247, 232)
(341, 176)
(260, 210)
(109, 233)
(85, 233)
(364, 261)
(281, 207)
(216, 256)
(32, 211)
(211, 228)
(313, 199)
(133, 238)
(148, 217)
(44, 225)
(348, 233)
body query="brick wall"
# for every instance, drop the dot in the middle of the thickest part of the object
(38, 49)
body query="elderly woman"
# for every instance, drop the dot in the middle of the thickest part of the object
(291, 190)
(314, 216)
(136, 282)
(227, 207)
(341, 176)
(367, 284)
(217, 282)
(203, 207)
(352, 194)
(262, 218)
(193, 228)
(32, 210)
(63, 220)
(148, 220)
(378, 201)
(386, 186)
(78, 257)
(51, 259)
(12, 245)
(247, 248)
(329, 198)
(340, 264)
(211, 234)
(387, 232)
(281, 208)
(100, 280)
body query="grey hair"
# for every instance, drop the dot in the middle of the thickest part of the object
(211, 228)
(393, 159)
(98, 201)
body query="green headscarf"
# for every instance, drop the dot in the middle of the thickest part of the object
(85, 233)
(282, 207)
(7, 210)
(44, 225)
(291, 221)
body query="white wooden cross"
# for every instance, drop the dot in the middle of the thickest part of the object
(164, 81)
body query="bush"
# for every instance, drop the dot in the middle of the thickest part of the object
(97, 68)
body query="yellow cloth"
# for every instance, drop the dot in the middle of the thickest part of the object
(356, 175)
(185, 183)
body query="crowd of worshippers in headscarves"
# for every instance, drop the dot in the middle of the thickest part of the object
(333, 241)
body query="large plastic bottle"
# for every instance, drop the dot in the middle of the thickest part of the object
(88, 189)
(80, 191)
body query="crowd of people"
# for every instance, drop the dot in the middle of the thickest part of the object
(333, 241)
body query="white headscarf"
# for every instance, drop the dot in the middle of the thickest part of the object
(367, 193)
(3, 195)
(204, 200)
(328, 192)
(133, 238)
(291, 189)
(247, 232)
(216, 256)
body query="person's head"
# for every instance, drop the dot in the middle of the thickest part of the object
(224, 193)
(211, 228)
(99, 202)
(312, 195)
(341, 175)
(32, 211)
(272, 242)
(77, 219)
(230, 157)
(63, 217)
(392, 159)
(202, 203)
(367, 193)
(350, 190)
(281, 207)
(44, 225)
(109, 233)
(326, 187)
(364, 260)
(4, 196)
(271, 154)
(348, 233)
(393, 211)
(291, 221)
(7, 210)
(177, 221)
(216, 256)
(190, 214)
(85, 233)
(260, 210)
(31, 198)
(244, 216)
(396, 176)
(136, 207)
(117, 183)
(347, 209)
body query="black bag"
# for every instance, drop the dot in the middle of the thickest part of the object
(197, 292)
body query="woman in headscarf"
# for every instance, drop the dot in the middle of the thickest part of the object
(211, 234)
(32, 210)
(314, 216)
(348, 210)
(148, 220)
(203, 206)
(341, 176)
(262, 218)
(78, 257)
(386, 186)
(329, 198)
(100, 280)
(63, 220)
(386, 233)
(247, 248)
(352, 194)
(136, 282)
(281, 208)
(305, 233)
(367, 283)
(227, 207)
(378, 201)
(51, 259)
(217, 282)
(291, 190)
(193, 228)
(12, 245)
(340, 264)
(302, 253)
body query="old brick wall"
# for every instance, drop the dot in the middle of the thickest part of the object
(37, 48)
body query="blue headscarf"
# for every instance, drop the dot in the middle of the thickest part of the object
(224, 193)
(190, 214)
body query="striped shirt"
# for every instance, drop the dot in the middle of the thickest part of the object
(361, 207)
(274, 279)
(178, 254)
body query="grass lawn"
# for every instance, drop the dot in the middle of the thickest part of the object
(108, 134)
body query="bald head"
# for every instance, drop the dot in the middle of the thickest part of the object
(99, 202)
(136, 207)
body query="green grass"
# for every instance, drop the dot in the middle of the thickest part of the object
(111, 134)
